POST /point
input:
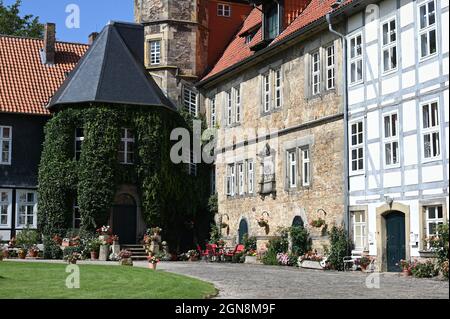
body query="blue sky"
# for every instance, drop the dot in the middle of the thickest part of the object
(94, 15)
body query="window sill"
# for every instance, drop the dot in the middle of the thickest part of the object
(272, 111)
(431, 160)
(237, 197)
(428, 57)
(426, 253)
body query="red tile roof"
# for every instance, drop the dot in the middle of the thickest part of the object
(26, 84)
(238, 50)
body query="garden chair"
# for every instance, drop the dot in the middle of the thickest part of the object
(238, 249)
(350, 261)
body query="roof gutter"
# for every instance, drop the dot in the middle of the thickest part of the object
(345, 104)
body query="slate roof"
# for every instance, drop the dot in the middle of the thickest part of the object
(26, 84)
(112, 71)
(238, 50)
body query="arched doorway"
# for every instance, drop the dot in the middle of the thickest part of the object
(125, 219)
(243, 230)
(395, 240)
(298, 222)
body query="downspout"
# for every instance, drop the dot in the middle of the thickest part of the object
(345, 102)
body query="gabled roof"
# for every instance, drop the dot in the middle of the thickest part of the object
(112, 71)
(26, 84)
(237, 51)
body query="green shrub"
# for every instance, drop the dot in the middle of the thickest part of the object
(340, 247)
(52, 250)
(301, 243)
(27, 238)
(214, 235)
(238, 258)
(275, 246)
(270, 258)
(69, 251)
(249, 242)
(440, 245)
(424, 270)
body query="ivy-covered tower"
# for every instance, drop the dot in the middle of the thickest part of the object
(176, 42)
(106, 157)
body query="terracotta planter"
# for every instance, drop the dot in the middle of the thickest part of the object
(33, 254)
(126, 262)
(406, 272)
(193, 258)
(73, 262)
(94, 255)
(152, 266)
(22, 255)
(5, 253)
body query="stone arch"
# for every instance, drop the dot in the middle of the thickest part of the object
(381, 213)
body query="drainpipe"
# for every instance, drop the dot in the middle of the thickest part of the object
(345, 102)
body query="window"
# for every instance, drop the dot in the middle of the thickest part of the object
(278, 90)
(26, 208)
(357, 146)
(356, 59)
(251, 176)
(223, 10)
(212, 108)
(389, 47)
(155, 52)
(315, 73)
(306, 168)
(272, 90)
(5, 207)
(330, 68)
(271, 21)
(359, 231)
(190, 101)
(231, 180)
(237, 103)
(5, 145)
(79, 138)
(249, 37)
(126, 147)
(76, 215)
(266, 92)
(391, 156)
(292, 168)
(241, 177)
(427, 29)
(433, 218)
(229, 104)
(430, 130)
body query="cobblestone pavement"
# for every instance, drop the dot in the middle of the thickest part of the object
(236, 281)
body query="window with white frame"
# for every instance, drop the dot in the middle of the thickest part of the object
(391, 154)
(306, 167)
(330, 67)
(229, 106)
(190, 101)
(272, 90)
(237, 103)
(434, 217)
(155, 52)
(241, 178)
(359, 230)
(250, 176)
(223, 10)
(292, 168)
(26, 208)
(231, 180)
(427, 28)
(212, 109)
(356, 59)
(315, 73)
(5, 207)
(79, 138)
(430, 130)
(76, 215)
(357, 146)
(5, 145)
(126, 147)
(389, 47)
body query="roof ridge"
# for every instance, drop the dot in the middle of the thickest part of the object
(38, 39)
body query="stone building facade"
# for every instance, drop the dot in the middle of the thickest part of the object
(295, 176)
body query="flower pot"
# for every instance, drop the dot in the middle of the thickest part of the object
(73, 261)
(406, 272)
(22, 255)
(193, 258)
(126, 262)
(94, 255)
(5, 253)
(104, 252)
(250, 260)
(152, 266)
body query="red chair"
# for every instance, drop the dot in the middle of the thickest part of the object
(201, 252)
(238, 249)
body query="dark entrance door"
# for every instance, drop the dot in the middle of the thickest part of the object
(395, 240)
(243, 229)
(124, 219)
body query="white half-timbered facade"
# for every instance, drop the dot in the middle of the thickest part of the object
(398, 120)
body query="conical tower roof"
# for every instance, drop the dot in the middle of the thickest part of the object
(112, 71)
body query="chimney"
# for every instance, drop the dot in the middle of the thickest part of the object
(48, 51)
(92, 37)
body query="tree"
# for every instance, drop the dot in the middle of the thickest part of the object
(11, 23)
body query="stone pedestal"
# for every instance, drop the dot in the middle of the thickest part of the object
(154, 247)
(115, 249)
(104, 253)
(250, 260)
(311, 264)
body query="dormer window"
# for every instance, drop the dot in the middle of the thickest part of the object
(272, 24)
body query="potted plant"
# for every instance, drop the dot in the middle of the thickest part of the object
(152, 261)
(311, 260)
(406, 267)
(250, 257)
(33, 251)
(125, 258)
(21, 253)
(192, 255)
(318, 223)
(364, 262)
(104, 233)
(93, 246)
(4, 251)
(262, 222)
(72, 258)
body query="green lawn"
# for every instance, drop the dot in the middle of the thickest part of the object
(48, 281)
